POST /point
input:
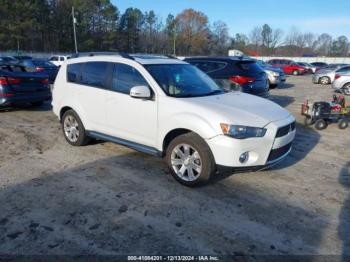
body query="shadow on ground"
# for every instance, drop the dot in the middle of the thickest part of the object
(283, 101)
(131, 205)
(26, 107)
(344, 217)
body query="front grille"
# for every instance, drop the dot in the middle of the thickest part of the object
(282, 131)
(277, 153)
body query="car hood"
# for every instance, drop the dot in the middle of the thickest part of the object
(239, 109)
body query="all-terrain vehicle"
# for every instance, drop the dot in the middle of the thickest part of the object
(322, 113)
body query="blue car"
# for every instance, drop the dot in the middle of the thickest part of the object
(18, 87)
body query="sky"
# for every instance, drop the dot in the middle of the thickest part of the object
(322, 16)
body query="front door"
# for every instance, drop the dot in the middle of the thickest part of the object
(130, 118)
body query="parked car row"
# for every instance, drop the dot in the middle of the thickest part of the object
(326, 75)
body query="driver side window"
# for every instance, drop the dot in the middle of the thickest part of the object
(125, 77)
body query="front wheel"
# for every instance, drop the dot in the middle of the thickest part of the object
(324, 80)
(321, 124)
(343, 124)
(346, 89)
(295, 72)
(190, 160)
(73, 129)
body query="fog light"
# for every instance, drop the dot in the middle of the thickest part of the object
(244, 157)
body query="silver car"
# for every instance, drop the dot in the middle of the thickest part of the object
(325, 76)
(342, 83)
(275, 74)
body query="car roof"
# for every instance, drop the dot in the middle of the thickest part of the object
(139, 58)
(221, 58)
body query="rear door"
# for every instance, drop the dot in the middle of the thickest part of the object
(89, 81)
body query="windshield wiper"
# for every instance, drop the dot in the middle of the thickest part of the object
(219, 91)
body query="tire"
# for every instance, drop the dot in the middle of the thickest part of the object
(321, 124)
(308, 121)
(295, 72)
(73, 129)
(190, 160)
(324, 80)
(346, 89)
(272, 86)
(343, 124)
(37, 104)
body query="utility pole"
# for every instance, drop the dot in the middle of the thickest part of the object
(75, 34)
(174, 44)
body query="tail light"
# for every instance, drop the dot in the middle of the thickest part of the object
(45, 81)
(14, 81)
(39, 69)
(9, 80)
(337, 76)
(3, 81)
(241, 80)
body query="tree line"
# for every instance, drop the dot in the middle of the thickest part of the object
(46, 26)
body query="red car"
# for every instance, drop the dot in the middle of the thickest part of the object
(288, 66)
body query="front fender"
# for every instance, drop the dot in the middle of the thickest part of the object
(192, 122)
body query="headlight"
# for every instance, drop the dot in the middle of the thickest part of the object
(242, 132)
(273, 73)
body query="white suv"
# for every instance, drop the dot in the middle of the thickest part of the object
(169, 108)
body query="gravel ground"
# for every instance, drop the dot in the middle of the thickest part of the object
(108, 199)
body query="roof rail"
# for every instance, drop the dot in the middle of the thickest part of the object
(84, 54)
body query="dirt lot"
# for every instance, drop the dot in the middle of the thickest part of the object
(108, 199)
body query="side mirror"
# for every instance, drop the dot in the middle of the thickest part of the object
(140, 92)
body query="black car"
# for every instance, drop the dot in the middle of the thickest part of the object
(234, 73)
(43, 66)
(20, 87)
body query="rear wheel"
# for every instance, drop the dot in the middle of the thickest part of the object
(346, 89)
(324, 80)
(73, 129)
(343, 124)
(321, 124)
(308, 121)
(272, 86)
(190, 160)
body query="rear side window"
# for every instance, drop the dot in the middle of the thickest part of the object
(94, 74)
(125, 77)
(61, 58)
(248, 66)
(209, 66)
(73, 71)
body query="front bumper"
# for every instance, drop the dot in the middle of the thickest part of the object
(262, 151)
(315, 79)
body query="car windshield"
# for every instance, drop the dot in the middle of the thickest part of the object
(182, 80)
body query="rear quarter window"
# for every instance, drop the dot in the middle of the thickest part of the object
(94, 74)
(73, 72)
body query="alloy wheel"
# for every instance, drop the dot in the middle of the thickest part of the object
(71, 128)
(186, 162)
